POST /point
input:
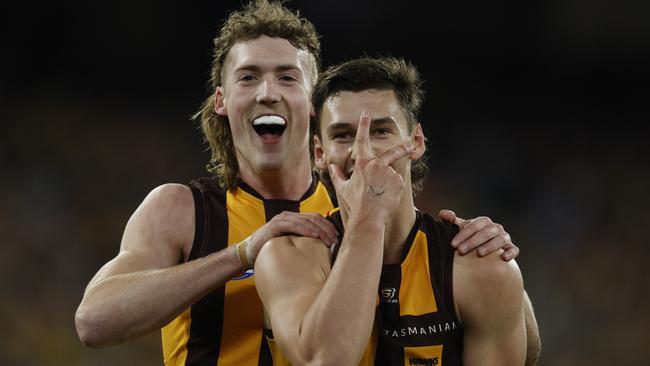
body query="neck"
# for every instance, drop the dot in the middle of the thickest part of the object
(289, 183)
(398, 229)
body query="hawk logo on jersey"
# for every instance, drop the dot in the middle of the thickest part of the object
(244, 275)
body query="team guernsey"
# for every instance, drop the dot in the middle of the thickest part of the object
(226, 326)
(415, 322)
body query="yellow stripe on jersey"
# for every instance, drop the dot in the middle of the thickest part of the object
(317, 201)
(415, 268)
(174, 339)
(425, 355)
(242, 314)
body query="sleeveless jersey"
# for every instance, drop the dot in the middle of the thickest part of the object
(416, 318)
(225, 327)
(415, 321)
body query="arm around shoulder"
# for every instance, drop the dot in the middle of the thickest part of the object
(489, 296)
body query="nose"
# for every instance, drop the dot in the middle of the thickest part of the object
(353, 150)
(267, 92)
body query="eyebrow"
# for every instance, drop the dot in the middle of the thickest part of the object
(375, 121)
(278, 68)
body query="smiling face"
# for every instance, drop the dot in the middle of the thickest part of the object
(265, 95)
(338, 126)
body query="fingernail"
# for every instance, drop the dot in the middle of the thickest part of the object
(462, 249)
(454, 243)
(365, 114)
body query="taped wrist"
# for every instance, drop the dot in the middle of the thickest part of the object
(243, 254)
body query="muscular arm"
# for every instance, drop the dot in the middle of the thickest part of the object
(138, 291)
(317, 321)
(534, 343)
(489, 296)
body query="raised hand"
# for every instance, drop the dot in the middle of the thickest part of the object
(374, 188)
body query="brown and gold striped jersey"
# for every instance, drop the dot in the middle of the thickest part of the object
(415, 322)
(225, 327)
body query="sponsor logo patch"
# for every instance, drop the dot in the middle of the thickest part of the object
(244, 275)
(388, 295)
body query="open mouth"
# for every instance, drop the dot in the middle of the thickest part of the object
(269, 126)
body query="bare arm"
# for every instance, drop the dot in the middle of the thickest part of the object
(317, 321)
(489, 296)
(137, 292)
(534, 343)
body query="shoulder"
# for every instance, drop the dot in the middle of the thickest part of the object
(169, 210)
(161, 229)
(169, 201)
(293, 253)
(486, 286)
(443, 230)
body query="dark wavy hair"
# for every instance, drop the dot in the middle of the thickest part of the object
(384, 73)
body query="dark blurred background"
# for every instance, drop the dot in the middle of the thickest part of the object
(536, 115)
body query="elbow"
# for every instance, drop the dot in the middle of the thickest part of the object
(90, 328)
(534, 350)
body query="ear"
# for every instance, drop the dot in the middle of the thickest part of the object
(320, 159)
(418, 140)
(219, 102)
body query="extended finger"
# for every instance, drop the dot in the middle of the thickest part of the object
(511, 252)
(312, 225)
(447, 215)
(329, 234)
(490, 246)
(362, 139)
(480, 239)
(450, 216)
(337, 177)
(390, 156)
(292, 225)
(470, 228)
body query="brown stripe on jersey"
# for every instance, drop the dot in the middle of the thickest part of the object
(442, 253)
(265, 358)
(276, 207)
(204, 341)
